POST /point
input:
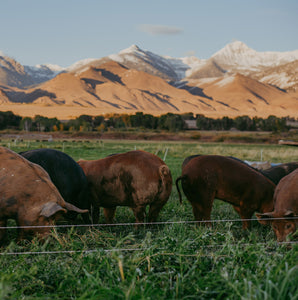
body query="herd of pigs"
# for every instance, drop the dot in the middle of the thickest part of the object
(39, 187)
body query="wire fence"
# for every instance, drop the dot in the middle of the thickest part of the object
(89, 251)
(139, 224)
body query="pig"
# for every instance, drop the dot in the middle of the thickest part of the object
(28, 196)
(207, 177)
(276, 173)
(66, 174)
(134, 179)
(285, 208)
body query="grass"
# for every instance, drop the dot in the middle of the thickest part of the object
(176, 260)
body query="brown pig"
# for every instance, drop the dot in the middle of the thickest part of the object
(134, 179)
(285, 207)
(207, 177)
(28, 196)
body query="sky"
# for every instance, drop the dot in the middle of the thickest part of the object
(63, 32)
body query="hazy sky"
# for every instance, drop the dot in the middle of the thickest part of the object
(65, 31)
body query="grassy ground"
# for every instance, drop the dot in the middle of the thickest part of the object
(174, 260)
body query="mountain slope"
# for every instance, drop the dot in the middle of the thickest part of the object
(13, 73)
(113, 87)
(236, 80)
(283, 76)
(248, 95)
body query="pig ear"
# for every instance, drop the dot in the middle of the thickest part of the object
(71, 207)
(264, 219)
(51, 208)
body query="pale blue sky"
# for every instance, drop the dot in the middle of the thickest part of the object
(63, 31)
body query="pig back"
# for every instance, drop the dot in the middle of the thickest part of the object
(286, 194)
(23, 184)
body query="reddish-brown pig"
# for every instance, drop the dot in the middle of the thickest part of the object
(207, 177)
(28, 196)
(285, 208)
(134, 179)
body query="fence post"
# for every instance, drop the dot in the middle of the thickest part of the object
(261, 154)
(164, 158)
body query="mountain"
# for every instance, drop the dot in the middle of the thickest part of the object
(42, 73)
(282, 76)
(13, 73)
(236, 80)
(235, 57)
(239, 55)
(247, 95)
(113, 88)
(135, 58)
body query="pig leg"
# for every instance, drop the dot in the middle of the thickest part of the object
(201, 213)
(237, 209)
(202, 208)
(94, 206)
(109, 214)
(154, 210)
(139, 212)
(2, 231)
(245, 215)
(95, 213)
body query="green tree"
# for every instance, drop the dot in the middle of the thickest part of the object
(26, 124)
(9, 120)
(171, 122)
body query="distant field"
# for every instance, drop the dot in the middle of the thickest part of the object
(173, 260)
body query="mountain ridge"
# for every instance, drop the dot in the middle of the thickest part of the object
(139, 80)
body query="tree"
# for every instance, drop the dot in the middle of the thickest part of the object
(204, 123)
(188, 116)
(9, 120)
(171, 122)
(137, 119)
(26, 124)
(41, 123)
(245, 123)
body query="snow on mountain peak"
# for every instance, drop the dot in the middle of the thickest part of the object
(239, 54)
(235, 53)
(79, 64)
(131, 49)
(237, 46)
(52, 67)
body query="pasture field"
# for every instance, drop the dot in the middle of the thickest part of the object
(173, 259)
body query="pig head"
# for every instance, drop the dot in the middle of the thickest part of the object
(282, 224)
(284, 217)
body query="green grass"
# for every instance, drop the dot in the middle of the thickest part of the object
(176, 260)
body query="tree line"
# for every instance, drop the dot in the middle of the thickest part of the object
(170, 122)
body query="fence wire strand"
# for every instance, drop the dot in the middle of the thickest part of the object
(132, 224)
(139, 224)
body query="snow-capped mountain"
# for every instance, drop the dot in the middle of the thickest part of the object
(142, 60)
(12, 73)
(241, 56)
(41, 73)
(284, 76)
(235, 57)
(163, 66)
